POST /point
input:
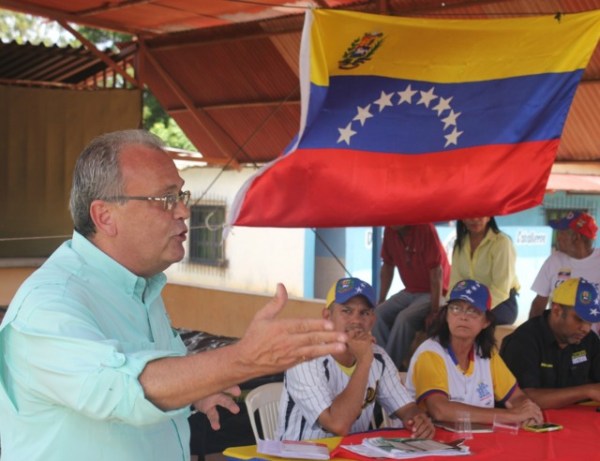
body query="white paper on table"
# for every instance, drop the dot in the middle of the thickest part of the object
(293, 449)
(399, 448)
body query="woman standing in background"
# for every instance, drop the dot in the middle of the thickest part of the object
(483, 253)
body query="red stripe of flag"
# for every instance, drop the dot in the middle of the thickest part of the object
(356, 188)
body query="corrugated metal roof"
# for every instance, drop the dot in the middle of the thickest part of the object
(581, 138)
(227, 71)
(162, 17)
(40, 65)
(243, 81)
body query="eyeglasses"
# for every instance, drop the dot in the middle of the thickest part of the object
(469, 311)
(170, 201)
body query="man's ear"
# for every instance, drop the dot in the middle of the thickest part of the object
(102, 214)
(326, 313)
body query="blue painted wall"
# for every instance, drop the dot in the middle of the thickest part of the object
(528, 230)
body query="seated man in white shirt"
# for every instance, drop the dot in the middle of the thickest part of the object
(335, 394)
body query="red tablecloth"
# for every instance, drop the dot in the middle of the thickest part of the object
(578, 440)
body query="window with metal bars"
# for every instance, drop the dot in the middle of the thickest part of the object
(206, 235)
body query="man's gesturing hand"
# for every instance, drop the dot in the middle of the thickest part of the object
(271, 345)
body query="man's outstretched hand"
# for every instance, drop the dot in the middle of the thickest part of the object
(271, 345)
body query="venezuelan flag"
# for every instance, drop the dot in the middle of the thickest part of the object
(419, 120)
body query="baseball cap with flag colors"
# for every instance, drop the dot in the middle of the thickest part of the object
(580, 222)
(473, 292)
(581, 295)
(346, 288)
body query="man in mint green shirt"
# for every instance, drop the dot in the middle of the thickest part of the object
(90, 367)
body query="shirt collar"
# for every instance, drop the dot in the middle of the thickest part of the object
(489, 236)
(469, 369)
(140, 287)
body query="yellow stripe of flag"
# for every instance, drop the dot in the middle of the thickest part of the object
(449, 51)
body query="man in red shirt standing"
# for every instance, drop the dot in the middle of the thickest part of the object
(424, 270)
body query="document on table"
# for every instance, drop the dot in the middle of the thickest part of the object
(404, 448)
(293, 449)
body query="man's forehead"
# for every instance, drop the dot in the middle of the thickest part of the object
(136, 152)
(356, 302)
(146, 163)
(571, 312)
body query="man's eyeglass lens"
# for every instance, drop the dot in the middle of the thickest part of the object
(172, 199)
(169, 200)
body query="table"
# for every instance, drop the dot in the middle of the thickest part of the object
(580, 439)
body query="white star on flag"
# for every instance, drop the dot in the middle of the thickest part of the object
(385, 100)
(346, 134)
(363, 114)
(450, 119)
(426, 97)
(452, 138)
(406, 95)
(443, 105)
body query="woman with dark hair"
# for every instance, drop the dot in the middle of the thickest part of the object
(459, 370)
(483, 253)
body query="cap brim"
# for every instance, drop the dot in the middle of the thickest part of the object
(469, 300)
(343, 298)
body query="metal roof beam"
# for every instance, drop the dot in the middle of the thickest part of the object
(36, 10)
(100, 55)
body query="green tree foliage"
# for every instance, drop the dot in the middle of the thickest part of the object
(23, 28)
(172, 135)
(153, 111)
(104, 39)
(157, 121)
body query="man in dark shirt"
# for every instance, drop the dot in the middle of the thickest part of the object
(556, 357)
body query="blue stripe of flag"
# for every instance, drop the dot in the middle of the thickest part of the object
(503, 111)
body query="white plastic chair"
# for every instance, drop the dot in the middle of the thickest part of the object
(265, 400)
